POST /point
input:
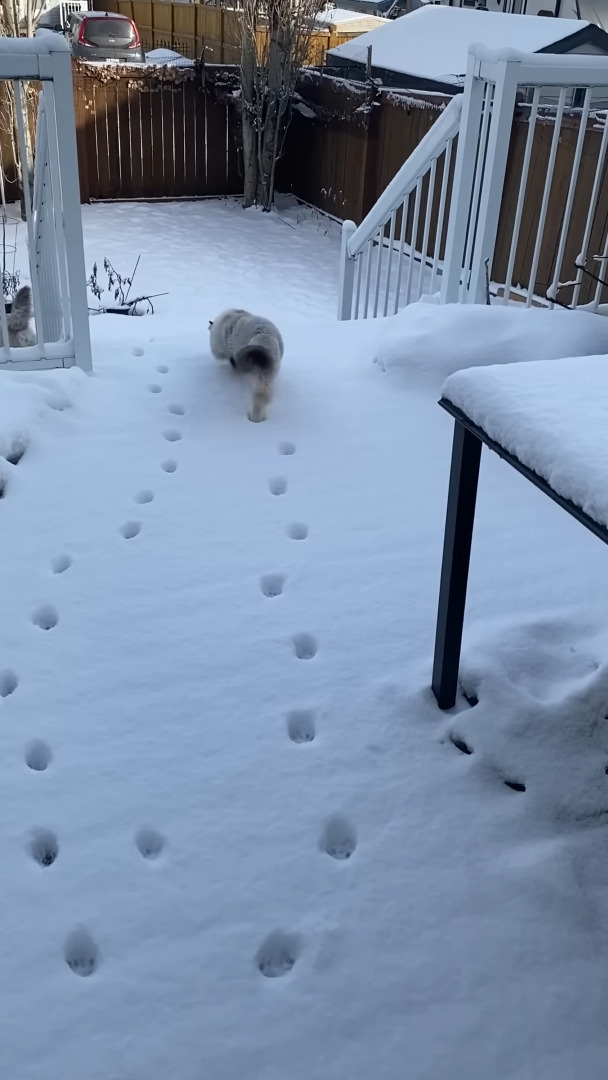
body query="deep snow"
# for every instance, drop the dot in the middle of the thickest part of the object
(192, 800)
(551, 415)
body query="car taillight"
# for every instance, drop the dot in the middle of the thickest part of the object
(82, 36)
(136, 39)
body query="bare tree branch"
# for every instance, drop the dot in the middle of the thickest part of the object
(274, 45)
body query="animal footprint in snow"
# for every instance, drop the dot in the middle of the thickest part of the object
(177, 410)
(338, 839)
(81, 953)
(287, 449)
(38, 756)
(149, 843)
(144, 496)
(16, 451)
(278, 485)
(130, 529)
(272, 584)
(154, 388)
(515, 785)
(162, 369)
(137, 351)
(297, 530)
(172, 435)
(278, 954)
(8, 683)
(169, 465)
(61, 563)
(301, 725)
(304, 646)
(44, 847)
(45, 617)
(459, 743)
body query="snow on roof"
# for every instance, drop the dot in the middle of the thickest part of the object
(334, 15)
(433, 42)
(350, 20)
(552, 415)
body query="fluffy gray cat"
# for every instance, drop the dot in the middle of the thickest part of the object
(254, 346)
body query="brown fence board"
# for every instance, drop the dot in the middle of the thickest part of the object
(125, 156)
(101, 138)
(135, 138)
(158, 157)
(190, 111)
(149, 182)
(179, 131)
(167, 105)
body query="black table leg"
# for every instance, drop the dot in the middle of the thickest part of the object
(460, 515)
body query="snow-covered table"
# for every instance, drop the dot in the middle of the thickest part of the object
(549, 420)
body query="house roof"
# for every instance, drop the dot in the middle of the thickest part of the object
(433, 42)
(350, 21)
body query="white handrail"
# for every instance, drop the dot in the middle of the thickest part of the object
(405, 180)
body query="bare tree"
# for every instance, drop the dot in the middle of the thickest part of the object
(17, 20)
(274, 45)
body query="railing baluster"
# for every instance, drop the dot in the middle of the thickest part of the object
(447, 161)
(405, 205)
(546, 194)
(410, 269)
(522, 193)
(368, 275)
(359, 272)
(578, 153)
(391, 251)
(427, 225)
(379, 269)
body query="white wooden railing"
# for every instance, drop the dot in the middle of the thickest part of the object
(492, 88)
(393, 256)
(52, 206)
(547, 89)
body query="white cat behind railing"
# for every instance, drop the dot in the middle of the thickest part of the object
(18, 320)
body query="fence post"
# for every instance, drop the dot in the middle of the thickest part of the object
(493, 178)
(81, 119)
(368, 191)
(347, 274)
(464, 174)
(70, 198)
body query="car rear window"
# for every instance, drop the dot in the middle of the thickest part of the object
(108, 31)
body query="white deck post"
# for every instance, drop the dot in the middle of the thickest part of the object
(347, 274)
(497, 152)
(70, 197)
(464, 175)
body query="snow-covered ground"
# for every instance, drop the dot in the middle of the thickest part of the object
(229, 801)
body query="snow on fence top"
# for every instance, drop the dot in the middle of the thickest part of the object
(552, 415)
(44, 42)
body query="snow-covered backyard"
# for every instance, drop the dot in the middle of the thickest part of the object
(239, 839)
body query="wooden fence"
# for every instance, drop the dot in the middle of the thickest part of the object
(345, 142)
(164, 133)
(172, 132)
(205, 31)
